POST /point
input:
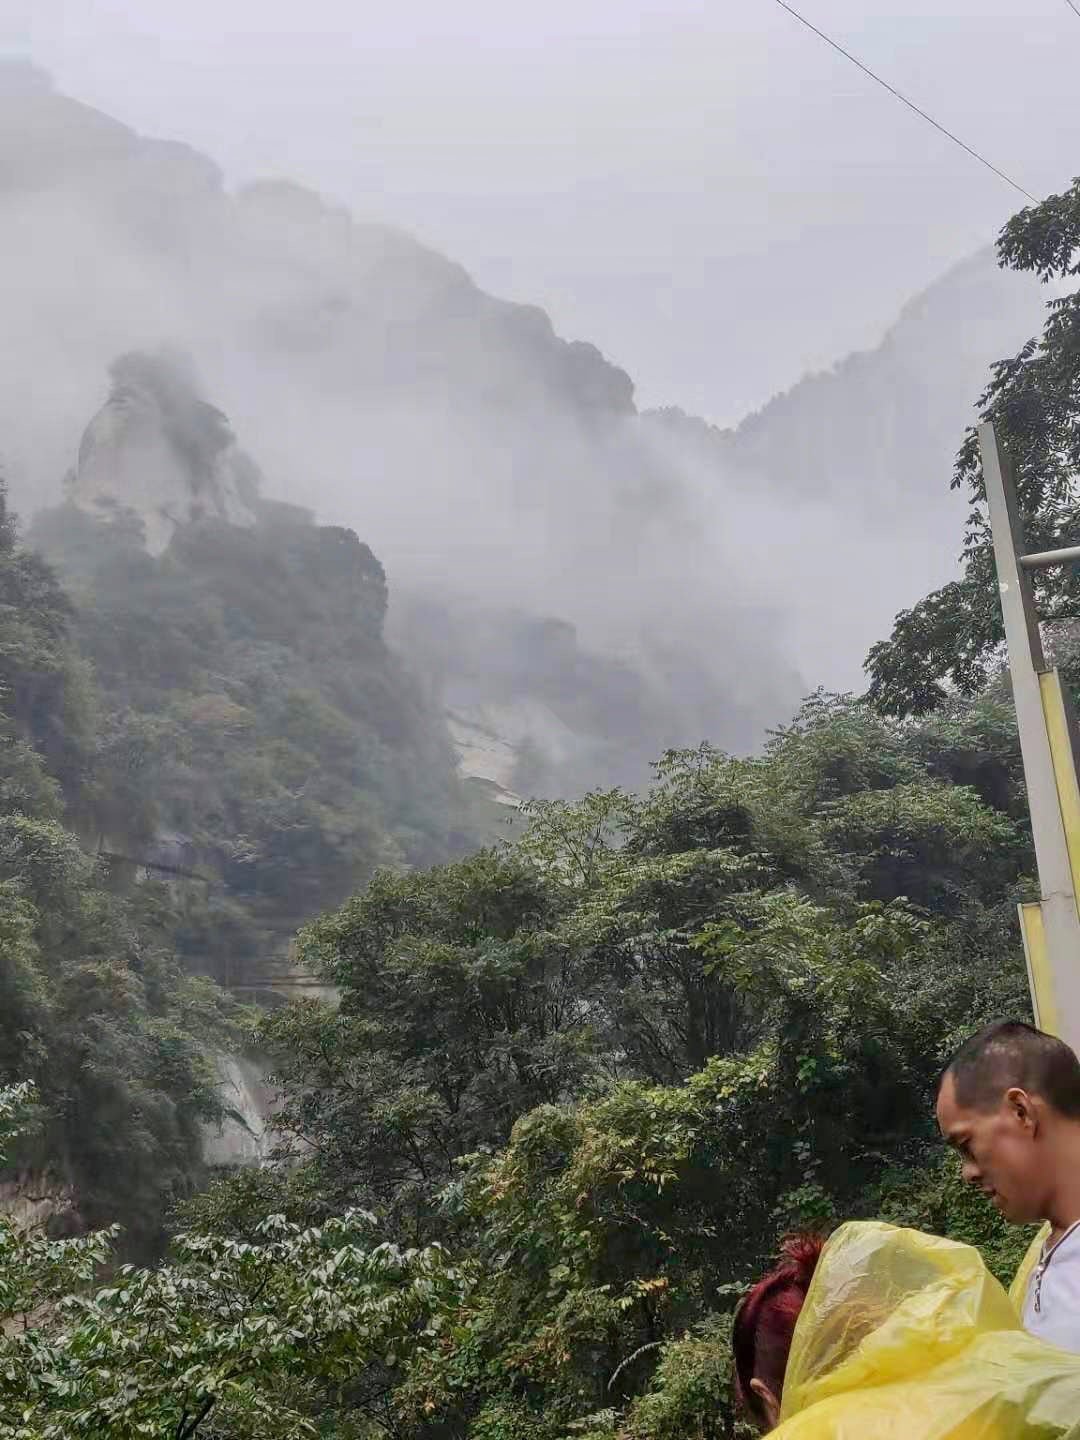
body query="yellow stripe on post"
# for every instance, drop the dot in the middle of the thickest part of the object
(1059, 733)
(1043, 999)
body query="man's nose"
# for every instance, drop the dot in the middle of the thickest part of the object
(970, 1172)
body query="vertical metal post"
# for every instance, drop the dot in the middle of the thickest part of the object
(1052, 947)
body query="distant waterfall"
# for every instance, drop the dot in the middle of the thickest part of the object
(242, 1138)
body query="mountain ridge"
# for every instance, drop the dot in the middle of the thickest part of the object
(960, 295)
(491, 464)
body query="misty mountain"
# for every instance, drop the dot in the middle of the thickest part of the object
(580, 582)
(878, 431)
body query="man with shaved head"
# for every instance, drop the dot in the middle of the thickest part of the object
(1009, 1104)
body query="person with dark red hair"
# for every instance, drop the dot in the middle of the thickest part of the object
(765, 1324)
(882, 1333)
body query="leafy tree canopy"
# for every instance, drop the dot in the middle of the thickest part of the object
(607, 1064)
(93, 1005)
(228, 1338)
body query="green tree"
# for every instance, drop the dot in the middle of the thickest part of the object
(611, 1237)
(94, 1006)
(950, 642)
(602, 946)
(229, 1339)
(462, 1007)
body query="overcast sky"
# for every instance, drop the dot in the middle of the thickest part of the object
(700, 187)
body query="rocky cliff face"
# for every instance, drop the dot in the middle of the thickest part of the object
(31, 1202)
(156, 449)
(243, 1136)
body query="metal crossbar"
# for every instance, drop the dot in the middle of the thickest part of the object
(1042, 559)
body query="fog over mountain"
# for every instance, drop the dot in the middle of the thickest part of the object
(593, 581)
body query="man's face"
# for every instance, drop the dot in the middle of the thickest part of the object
(997, 1149)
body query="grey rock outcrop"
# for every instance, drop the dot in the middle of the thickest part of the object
(156, 449)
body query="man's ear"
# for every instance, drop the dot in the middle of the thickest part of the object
(1024, 1108)
(769, 1403)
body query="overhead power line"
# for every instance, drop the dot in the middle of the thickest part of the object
(1073, 7)
(910, 103)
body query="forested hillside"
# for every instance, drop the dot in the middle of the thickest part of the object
(94, 1005)
(255, 728)
(201, 749)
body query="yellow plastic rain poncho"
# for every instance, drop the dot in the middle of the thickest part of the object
(907, 1337)
(1018, 1288)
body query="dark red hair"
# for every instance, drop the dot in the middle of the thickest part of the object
(765, 1321)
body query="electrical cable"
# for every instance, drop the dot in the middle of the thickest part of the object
(910, 103)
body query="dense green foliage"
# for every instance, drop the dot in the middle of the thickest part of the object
(255, 727)
(603, 1068)
(950, 641)
(228, 1338)
(93, 1007)
(607, 1065)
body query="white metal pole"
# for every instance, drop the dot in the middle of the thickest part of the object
(1061, 922)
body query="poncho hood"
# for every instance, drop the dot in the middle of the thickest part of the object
(905, 1336)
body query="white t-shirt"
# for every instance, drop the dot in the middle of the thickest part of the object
(1057, 1319)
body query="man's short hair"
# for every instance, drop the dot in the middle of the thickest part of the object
(1011, 1054)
